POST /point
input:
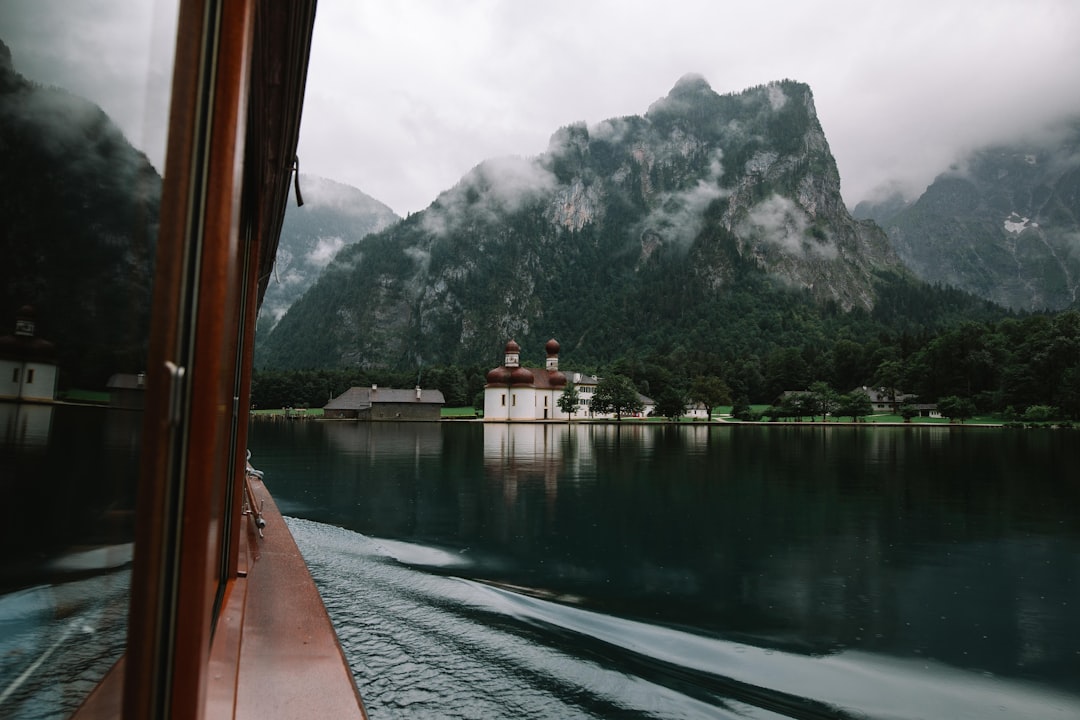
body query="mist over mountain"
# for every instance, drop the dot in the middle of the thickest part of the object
(1003, 224)
(78, 228)
(334, 216)
(656, 230)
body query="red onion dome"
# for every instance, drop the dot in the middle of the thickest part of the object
(499, 376)
(556, 379)
(521, 376)
(512, 347)
(552, 347)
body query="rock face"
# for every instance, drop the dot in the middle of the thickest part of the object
(334, 216)
(638, 219)
(1004, 225)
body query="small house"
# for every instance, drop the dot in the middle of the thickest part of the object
(375, 403)
(127, 391)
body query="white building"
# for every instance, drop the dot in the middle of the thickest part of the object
(27, 363)
(516, 393)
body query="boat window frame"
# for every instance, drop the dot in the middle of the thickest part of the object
(189, 485)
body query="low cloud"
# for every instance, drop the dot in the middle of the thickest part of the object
(782, 224)
(682, 97)
(680, 216)
(777, 97)
(492, 189)
(291, 277)
(325, 250)
(421, 257)
(117, 53)
(612, 131)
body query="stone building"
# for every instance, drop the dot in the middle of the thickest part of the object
(377, 403)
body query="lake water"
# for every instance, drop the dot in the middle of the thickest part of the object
(595, 571)
(67, 492)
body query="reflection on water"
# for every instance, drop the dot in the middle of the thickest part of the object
(891, 555)
(67, 483)
(67, 479)
(25, 424)
(57, 642)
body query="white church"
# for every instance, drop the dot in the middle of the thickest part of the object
(28, 369)
(514, 392)
(517, 393)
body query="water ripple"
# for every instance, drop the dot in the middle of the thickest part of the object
(427, 644)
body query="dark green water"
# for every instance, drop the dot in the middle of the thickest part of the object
(67, 493)
(739, 571)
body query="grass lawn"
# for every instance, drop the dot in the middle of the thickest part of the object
(310, 412)
(85, 396)
(460, 412)
(877, 418)
(468, 412)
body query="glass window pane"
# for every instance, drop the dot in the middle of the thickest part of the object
(84, 91)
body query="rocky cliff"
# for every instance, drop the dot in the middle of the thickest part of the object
(638, 226)
(1004, 224)
(333, 216)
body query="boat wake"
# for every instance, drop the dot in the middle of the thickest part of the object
(58, 641)
(425, 641)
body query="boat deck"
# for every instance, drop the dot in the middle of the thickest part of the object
(274, 652)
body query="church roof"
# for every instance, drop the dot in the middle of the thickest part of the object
(24, 348)
(538, 378)
(126, 381)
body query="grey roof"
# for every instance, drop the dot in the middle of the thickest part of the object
(358, 398)
(881, 395)
(126, 381)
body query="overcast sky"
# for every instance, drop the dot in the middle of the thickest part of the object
(405, 96)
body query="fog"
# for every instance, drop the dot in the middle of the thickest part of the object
(404, 99)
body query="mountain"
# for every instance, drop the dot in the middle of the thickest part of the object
(1004, 224)
(881, 211)
(333, 216)
(78, 228)
(672, 229)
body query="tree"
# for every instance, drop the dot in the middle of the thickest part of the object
(740, 410)
(710, 391)
(908, 411)
(616, 394)
(797, 405)
(1041, 413)
(785, 369)
(855, 404)
(450, 381)
(1069, 392)
(671, 403)
(823, 399)
(569, 400)
(956, 408)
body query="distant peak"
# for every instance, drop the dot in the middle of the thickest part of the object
(691, 91)
(690, 84)
(5, 57)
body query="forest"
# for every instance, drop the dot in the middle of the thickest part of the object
(1003, 365)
